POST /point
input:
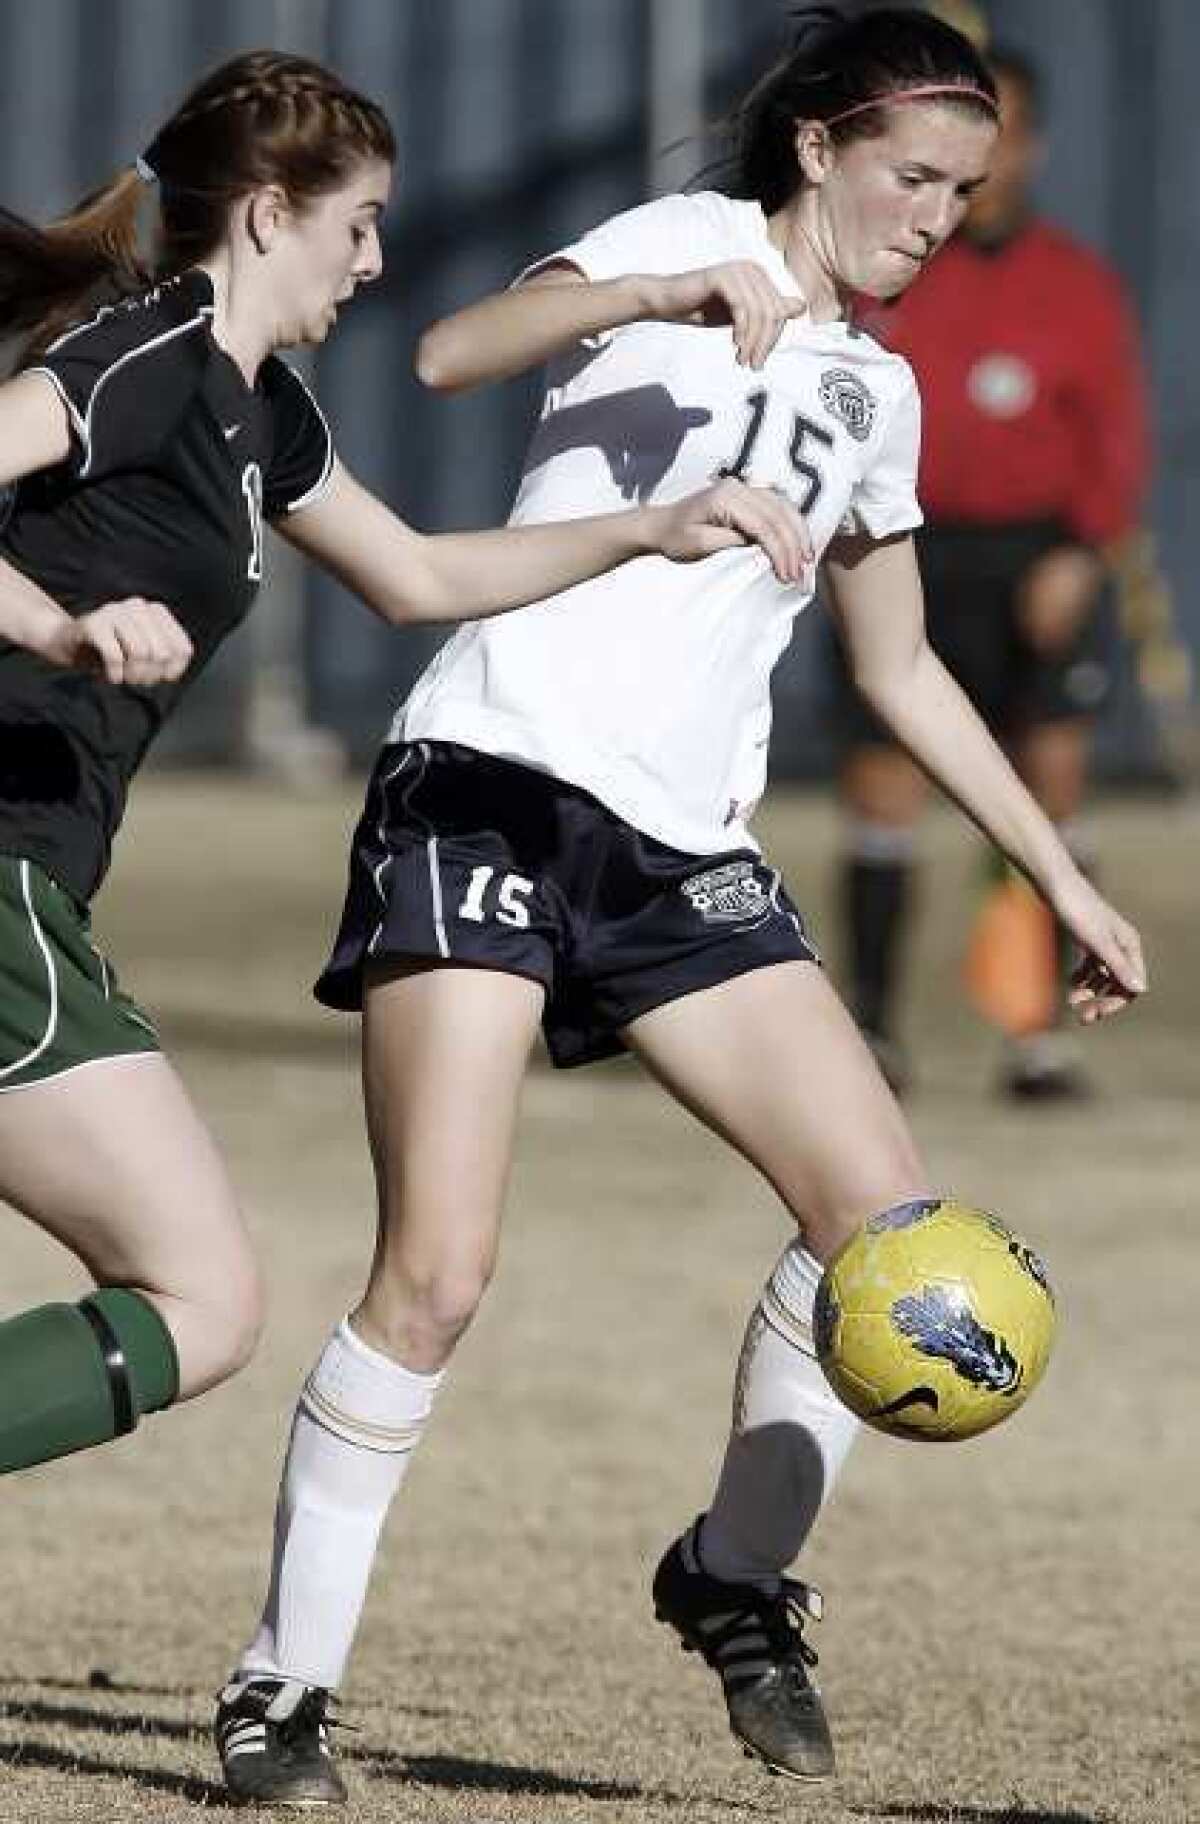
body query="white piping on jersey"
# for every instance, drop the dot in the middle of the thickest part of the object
(435, 888)
(52, 976)
(323, 479)
(153, 296)
(83, 424)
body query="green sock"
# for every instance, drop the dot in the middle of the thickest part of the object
(76, 1375)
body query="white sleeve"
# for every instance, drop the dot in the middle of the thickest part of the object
(661, 236)
(885, 500)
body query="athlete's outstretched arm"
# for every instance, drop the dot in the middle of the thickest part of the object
(875, 590)
(509, 331)
(406, 575)
(131, 641)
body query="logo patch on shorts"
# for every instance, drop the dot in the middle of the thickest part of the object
(729, 895)
(846, 398)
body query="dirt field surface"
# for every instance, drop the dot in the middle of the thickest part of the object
(1013, 1631)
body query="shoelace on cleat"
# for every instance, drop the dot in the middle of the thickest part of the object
(312, 1710)
(315, 1707)
(784, 1617)
(777, 1620)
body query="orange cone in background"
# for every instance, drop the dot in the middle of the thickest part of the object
(1010, 970)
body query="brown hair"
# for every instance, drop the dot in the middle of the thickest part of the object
(262, 118)
(842, 69)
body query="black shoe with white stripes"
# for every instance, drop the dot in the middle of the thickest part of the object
(272, 1735)
(753, 1641)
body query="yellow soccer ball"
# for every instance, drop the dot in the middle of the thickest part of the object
(934, 1321)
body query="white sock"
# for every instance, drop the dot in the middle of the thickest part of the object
(789, 1439)
(359, 1417)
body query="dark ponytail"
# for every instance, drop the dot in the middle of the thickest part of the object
(840, 66)
(259, 119)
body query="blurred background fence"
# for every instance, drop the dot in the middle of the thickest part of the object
(521, 122)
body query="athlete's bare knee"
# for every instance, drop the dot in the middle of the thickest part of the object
(891, 1173)
(418, 1315)
(442, 1304)
(245, 1317)
(216, 1329)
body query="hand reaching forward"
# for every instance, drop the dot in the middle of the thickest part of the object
(1113, 970)
(728, 515)
(133, 642)
(738, 293)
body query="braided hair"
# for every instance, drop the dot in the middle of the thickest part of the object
(262, 118)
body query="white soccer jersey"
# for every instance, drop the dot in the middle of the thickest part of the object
(650, 686)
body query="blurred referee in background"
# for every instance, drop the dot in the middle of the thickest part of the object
(1033, 468)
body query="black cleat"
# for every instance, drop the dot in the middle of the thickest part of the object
(753, 1641)
(272, 1735)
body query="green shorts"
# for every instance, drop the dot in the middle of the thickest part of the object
(60, 1005)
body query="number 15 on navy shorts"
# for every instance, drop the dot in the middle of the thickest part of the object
(465, 859)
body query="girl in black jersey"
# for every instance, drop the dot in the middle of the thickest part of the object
(554, 834)
(150, 433)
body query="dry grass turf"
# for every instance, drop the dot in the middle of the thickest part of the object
(1013, 1625)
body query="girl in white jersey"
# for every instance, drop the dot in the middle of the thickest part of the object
(556, 832)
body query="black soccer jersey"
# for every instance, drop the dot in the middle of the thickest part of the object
(175, 464)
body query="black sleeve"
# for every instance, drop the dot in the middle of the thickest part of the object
(126, 376)
(302, 448)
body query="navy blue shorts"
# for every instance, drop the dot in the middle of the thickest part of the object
(464, 859)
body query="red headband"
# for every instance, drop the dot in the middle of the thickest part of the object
(961, 90)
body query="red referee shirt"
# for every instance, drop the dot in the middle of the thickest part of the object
(1031, 384)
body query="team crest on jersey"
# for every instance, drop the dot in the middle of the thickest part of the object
(846, 398)
(728, 895)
